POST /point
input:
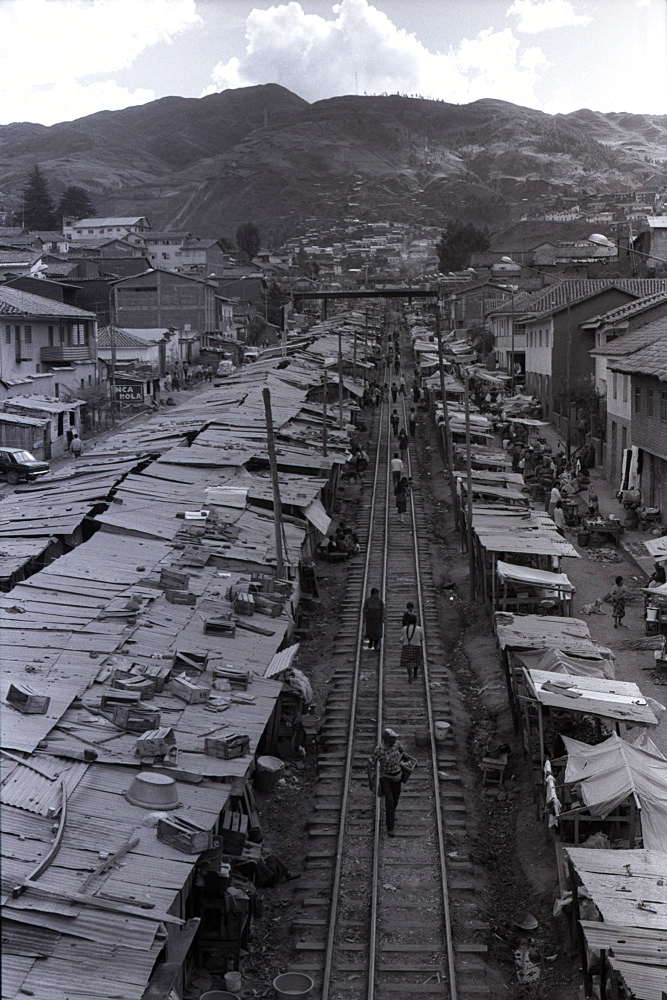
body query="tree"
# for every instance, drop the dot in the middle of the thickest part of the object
(247, 239)
(458, 241)
(75, 202)
(275, 300)
(38, 211)
(227, 245)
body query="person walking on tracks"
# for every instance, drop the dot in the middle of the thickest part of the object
(374, 618)
(412, 637)
(396, 469)
(388, 757)
(401, 385)
(76, 446)
(401, 497)
(412, 422)
(403, 444)
(395, 421)
(394, 392)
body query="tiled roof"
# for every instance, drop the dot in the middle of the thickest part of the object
(627, 310)
(554, 297)
(124, 220)
(634, 341)
(16, 302)
(18, 256)
(122, 338)
(650, 360)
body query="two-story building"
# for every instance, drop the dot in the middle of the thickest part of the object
(119, 226)
(618, 323)
(647, 372)
(39, 335)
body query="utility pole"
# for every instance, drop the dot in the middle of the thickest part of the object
(340, 380)
(471, 553)
(366, 336)
(443, 392)
(324, 414)
(273, 465)
(112, 343)
(355, 352)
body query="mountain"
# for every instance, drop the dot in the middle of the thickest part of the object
(264, 154)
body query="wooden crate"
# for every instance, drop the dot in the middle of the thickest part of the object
(184, 835)
(186, 689)
(190, 659)
(237, 678)
(180, 597)
(244, 604)
(220, 625)
(135, 682)
(135, 719)
(173, 579)
(156, 742)
(111, 699)
(227, 747)
(234, 832)
(25, 699)
(157, 670)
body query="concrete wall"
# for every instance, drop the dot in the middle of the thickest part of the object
(649, 433)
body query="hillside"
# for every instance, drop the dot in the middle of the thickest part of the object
(262, 153)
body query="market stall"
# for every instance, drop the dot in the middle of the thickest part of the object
(528, 589)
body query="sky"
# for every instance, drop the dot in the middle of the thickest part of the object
(63, 59)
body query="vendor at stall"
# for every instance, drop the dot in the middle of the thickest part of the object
(658, 576)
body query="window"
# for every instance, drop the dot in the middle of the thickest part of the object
(56, 389)
(614, 385)
(649, 403)
(638, 399)
(663, 405)
(79, 335)
(8, 335)
(626, 383)
(27, 334)
(50, 336)
(61, 334)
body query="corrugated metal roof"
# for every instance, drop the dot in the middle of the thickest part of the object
(26, 789)
(541, 632)
(282, 661)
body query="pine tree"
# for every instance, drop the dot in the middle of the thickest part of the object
(75, 202)
(38, 211)
(247, 239)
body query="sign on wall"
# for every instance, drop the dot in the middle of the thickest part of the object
(130, 393)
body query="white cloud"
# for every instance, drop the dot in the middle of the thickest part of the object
(544, 15)
(58, 44)
(360, 49)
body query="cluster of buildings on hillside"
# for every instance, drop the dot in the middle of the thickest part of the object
(615, 209)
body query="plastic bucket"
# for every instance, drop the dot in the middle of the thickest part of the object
(651, 614)
(422, 738)
(219, 995)
(441, 730)
(292, 984)
(233, 982)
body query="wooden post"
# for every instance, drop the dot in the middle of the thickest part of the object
(273, 463)
(354, 362)
(324, 414)
(443, 391)
(471, 555)
(340, 380)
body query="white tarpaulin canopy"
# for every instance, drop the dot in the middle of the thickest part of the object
(611, 771)
(534, 577)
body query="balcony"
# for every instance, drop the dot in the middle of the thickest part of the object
(65, 355)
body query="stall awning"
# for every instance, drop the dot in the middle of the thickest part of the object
(611, 771)
(533, 577)
(619, 700)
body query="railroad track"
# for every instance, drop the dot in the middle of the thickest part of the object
(385, 918)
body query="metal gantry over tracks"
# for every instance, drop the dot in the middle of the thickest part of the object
(377, 917)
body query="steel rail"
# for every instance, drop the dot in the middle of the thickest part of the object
(347, 773)
(377, 819)
(444, 880)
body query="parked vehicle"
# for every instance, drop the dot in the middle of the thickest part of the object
(251, 354)
(226, 367)
(17, 465)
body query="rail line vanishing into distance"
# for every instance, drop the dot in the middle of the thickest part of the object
(385, 918)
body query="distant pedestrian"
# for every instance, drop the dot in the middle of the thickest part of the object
(412, 638)
(396, 469)
(403, 443)
(408, 614)
(175, 382)
(394, 392)
(397, 364)
(412, 422)
(167, 382)
(76, 447)
(618, 596)
(554, 497)
(401, 497)
(559, 517)
(388, 756)
(395, 421)
(374, 618)
(416, 392)
(401, 386)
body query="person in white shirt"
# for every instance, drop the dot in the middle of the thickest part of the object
(554, 497)
(559, 517)
(396, 468)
